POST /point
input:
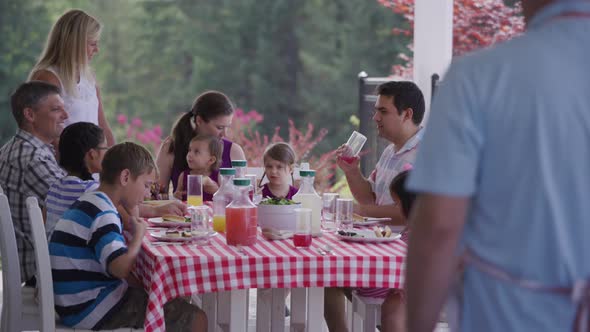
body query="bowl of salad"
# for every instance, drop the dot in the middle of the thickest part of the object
(277, 213)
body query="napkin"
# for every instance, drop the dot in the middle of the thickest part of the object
(276, 234)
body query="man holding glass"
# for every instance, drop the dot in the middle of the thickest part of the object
(399, 111)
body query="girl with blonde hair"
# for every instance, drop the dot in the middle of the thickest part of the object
(65, 62)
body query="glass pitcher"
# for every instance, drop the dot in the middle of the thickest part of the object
(222, 198)
(241, 216)
(310, 199)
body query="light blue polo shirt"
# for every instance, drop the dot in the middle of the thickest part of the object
(510, 129)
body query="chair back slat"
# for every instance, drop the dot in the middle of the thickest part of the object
(44, 278)
(11, 283)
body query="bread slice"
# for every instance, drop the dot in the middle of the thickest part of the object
(173, 234)
(387, 232)
(173, 218)
(377, 231)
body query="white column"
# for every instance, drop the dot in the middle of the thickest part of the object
(433, 42)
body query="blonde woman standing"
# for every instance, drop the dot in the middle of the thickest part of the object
(65, 62)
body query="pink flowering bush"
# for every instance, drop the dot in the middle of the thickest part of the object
(250, 118)
(476, 24)
(136, 131)
(244, 132)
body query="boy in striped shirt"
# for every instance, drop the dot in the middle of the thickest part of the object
(90, 260)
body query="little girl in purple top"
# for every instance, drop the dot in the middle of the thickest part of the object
(203, 158)
(278, 167)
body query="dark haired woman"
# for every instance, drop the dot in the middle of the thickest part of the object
(82, 146)
(211, 114)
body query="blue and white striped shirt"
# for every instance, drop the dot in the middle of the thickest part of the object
(84, 242)
(61, 195)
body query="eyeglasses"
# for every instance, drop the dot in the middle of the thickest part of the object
(101, 148)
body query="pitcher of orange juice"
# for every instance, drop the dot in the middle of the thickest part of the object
(222, 198)
(241, 216)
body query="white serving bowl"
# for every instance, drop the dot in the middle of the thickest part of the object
(279, 217)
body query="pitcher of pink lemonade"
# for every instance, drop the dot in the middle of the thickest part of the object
(241, 217)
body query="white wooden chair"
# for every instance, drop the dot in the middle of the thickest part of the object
(19, 310)
(46, 312)
(368, 309)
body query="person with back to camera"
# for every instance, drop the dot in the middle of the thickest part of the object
(502, 183)
(65, 63)
(211, 114)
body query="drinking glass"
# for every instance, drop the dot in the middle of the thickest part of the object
(302, 235)
(200, 218)
(355, 144)
(344, 216)
(194, 190)
(328, 211)
(254, 196)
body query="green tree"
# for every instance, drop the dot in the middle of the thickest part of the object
(340, 39)
(23, 28)
(295, 59)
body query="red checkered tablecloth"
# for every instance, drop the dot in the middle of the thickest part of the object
(172, 271)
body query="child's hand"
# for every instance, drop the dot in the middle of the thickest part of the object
(209, 186)
(138, 227)
(178, 194)
(174, 208)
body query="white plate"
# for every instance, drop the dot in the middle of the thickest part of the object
(394, 228)
(367, 236)
(361, 220)
(161, 236)
(368, 222)
(161, 223)
(159, 202)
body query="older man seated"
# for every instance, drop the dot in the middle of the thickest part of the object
(27, 161)
(28, 166)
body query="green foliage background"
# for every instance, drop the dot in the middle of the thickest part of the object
(294, 59)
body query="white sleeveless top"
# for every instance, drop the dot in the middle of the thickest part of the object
(84, 106)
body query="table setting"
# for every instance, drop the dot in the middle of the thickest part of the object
(276, 245)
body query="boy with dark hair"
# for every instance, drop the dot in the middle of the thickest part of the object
(91, 261)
